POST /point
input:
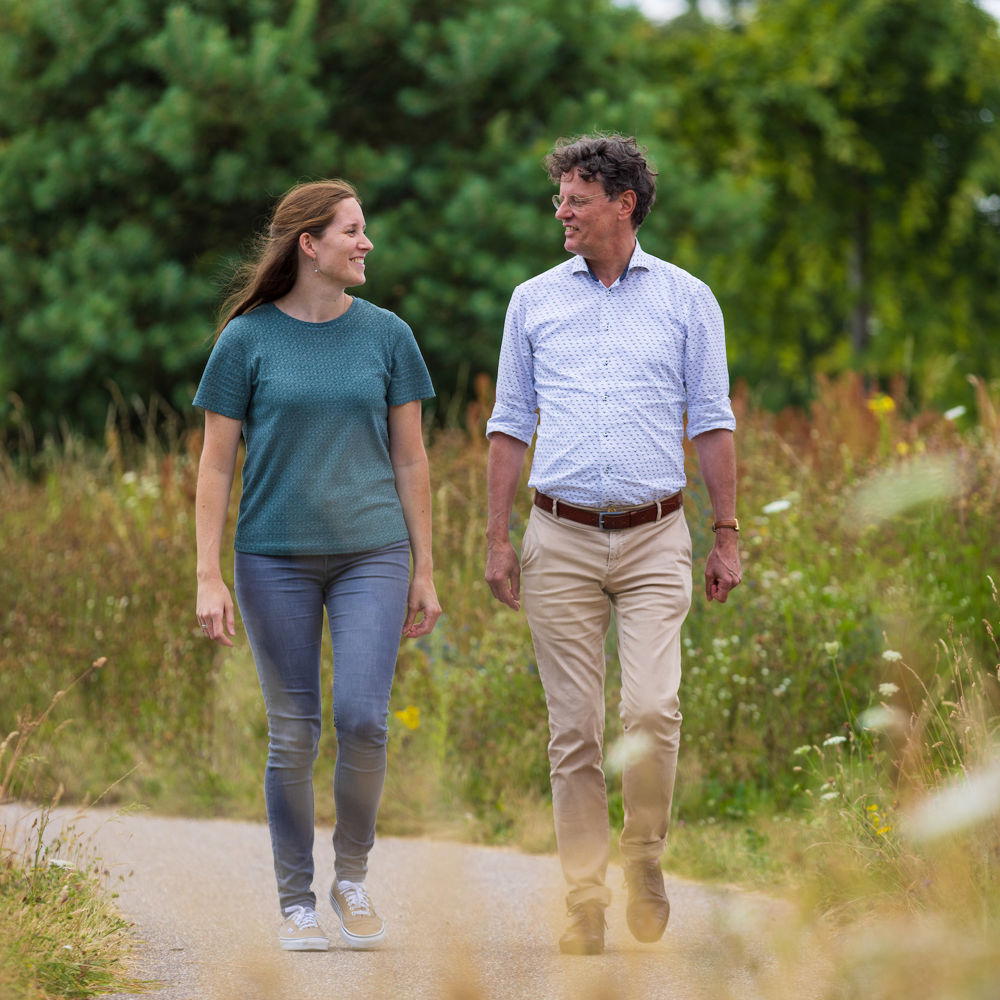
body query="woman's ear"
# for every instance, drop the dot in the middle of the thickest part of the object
(306, 245)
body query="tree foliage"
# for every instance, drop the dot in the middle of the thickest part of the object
(831, 168)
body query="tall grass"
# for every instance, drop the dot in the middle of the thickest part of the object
(60, 934)
(864, 528)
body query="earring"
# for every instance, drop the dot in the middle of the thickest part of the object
(315, 266)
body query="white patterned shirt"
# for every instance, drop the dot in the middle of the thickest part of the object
(610, 372)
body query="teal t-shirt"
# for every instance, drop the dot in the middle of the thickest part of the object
(314, 400)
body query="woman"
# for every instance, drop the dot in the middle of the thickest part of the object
(326, 389)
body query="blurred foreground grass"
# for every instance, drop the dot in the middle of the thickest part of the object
(846, 692)
(60, 933)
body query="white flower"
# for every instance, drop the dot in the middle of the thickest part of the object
(799, 751)
(964, 801)
(881, 719)
(888, 689)
(777, 506)
(831, 648)
(831, 740)
(892, 656)
(954, 413)
(629, 748)
(826, 796)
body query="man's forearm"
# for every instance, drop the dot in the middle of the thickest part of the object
(503, 473)
(717, 460)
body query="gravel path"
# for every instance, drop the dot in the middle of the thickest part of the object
(464, 923)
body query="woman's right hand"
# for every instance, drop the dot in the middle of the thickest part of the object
(216, 614)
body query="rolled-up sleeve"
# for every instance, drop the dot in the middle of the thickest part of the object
(706, 373)
(515, 413)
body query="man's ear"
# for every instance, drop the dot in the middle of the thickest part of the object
(627, 205)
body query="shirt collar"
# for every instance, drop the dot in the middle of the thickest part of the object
(639, 260)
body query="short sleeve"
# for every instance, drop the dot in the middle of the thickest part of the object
(227, 382)
(408, 378)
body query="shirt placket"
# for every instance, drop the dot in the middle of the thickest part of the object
(607, 367)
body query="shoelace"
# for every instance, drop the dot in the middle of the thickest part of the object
(303, 917)
(356, 897)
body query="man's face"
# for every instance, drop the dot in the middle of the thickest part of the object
(593, 227)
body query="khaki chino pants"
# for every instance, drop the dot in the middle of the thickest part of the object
(572, 577)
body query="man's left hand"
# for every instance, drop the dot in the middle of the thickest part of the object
(723, 571)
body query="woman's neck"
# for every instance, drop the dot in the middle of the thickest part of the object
(315, 306)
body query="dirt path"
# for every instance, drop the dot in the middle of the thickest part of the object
(464, 923)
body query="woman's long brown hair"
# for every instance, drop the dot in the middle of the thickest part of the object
(270, 273)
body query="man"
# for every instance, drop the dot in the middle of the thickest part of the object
(610, 348)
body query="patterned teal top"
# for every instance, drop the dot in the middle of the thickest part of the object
(314, 401)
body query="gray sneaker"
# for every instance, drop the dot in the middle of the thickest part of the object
(301, 930)
(360, 925)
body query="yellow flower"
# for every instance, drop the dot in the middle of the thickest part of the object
(902, 448)
(409, 716)
(881, 404)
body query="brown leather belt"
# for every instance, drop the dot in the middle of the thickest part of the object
(609, 520)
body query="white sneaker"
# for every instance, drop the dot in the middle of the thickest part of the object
(360, 925)
(301, 931)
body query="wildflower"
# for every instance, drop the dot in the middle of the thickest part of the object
(916, 481)
(832, 740)
(409, 716)
(831, 648)
(630, 748)
(883, 830)
(881, 404)
(777, 506)
(965, 801)
(954, 413)
(881, 718)
(800, 751)
(902, 448)
(888, 689)
(892, 656)
(827, 796)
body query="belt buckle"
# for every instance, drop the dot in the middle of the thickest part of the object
(600, 518)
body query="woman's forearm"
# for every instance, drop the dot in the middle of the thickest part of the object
(216, 471)
(413, 485)
(414, 488)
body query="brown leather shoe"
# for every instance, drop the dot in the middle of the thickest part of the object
(648, 908)
(585, 934)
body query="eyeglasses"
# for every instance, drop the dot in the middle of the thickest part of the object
(576, 202)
